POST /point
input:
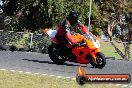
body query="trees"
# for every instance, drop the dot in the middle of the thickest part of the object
(1, 22)
(32, 14)
(1, 16)
(113, 15)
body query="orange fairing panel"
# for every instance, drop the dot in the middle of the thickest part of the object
(89, 43)
(81, 53)
(77, 37)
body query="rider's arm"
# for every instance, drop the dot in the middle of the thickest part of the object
(65, 30)
(83, 28)
(66, 26)
(69, 37)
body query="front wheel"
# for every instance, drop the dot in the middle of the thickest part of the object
(55, 55)
(99, 62)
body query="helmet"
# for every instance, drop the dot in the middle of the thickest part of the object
(72, 17)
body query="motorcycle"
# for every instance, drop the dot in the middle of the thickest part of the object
(88, 50)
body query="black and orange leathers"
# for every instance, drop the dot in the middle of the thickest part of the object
(65, 30)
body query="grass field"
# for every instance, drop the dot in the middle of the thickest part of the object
(109, 50)
(19, 80)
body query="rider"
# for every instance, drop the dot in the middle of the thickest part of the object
(70, 25)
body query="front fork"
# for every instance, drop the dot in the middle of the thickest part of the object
(94, 52)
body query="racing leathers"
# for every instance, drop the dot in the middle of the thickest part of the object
(65, 29)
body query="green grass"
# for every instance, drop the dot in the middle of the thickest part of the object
(109, 50)
(19, 80)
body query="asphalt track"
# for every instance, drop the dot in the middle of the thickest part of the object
(40, 63)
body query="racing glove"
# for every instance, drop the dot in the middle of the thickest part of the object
(77, 44)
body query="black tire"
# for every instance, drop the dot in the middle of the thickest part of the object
(81, 80)
(4, 47)
(100, 60)
(54, 54)
(13, 48)
(22, 49)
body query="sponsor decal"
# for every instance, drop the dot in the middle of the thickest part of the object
(83, 78)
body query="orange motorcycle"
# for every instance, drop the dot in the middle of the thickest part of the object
(87, 52)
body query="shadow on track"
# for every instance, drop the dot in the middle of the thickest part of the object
(67, 64)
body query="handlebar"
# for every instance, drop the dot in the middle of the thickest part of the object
(83, 43)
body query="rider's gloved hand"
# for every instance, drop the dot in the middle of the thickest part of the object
(77, 44)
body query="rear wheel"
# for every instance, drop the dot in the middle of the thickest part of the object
(100, 60)
(55, 55)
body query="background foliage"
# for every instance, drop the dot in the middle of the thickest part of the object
(35, 14)
(112, 17)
